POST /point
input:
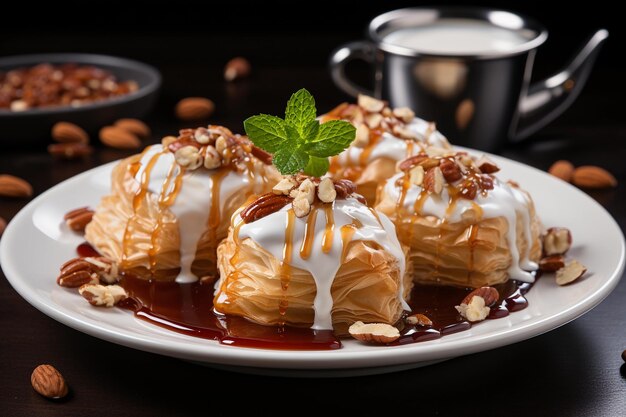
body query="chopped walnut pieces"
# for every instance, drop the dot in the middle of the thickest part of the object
(212, 147)
(103, 295)
(458, 171)
(302, 192)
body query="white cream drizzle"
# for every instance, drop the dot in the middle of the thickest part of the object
(503, 201)
(192, 204)
(269, 233)
(392, 147)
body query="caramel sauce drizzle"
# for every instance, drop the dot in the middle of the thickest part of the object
(214, 210)
(329, 231)
(375, 137)
(285, 267)
(309, 234)
(137, 201)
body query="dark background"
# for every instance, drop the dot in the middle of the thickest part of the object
(278, 34)
(571, 371)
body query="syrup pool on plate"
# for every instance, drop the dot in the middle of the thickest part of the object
(187, 308)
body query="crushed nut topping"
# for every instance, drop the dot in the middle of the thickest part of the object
(372, 117)
(302, 192)
(458, 171)
(212, 147)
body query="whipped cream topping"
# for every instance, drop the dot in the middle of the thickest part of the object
(503, 201)
(269, 233)
(192, 202)
(395, 148)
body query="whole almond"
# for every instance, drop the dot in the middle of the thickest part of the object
(49, 382)
(237, 68)
(3, 225)
(590, 176)
(489, 294)
(11, 186)
(194, 108)
(70, 150)
(562, 169)
(66, 132)
(134, 126)
(118, 138)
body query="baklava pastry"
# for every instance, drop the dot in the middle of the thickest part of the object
(384, 137)
(170, 206)
(463, 225)
(312, 254)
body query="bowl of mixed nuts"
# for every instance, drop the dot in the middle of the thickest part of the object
(36, 91)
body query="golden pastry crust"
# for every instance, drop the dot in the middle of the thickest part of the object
(473, 252)
(143, 237)
(365, 288)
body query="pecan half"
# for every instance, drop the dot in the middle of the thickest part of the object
(412, 161)
(264, 206)
(90, 270)
(450, 170)
(344, 188)
(79, 218)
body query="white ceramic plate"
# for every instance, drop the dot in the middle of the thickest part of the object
(37, 242)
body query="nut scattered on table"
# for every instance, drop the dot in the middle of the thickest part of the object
(70, 150)
(3, 225)
(134, 126)
(237, 68)
(374, 332)
(49, 382)
(590, 176)
(66, 132)
(11, 186)
(194, 108)
(562, 169)
(118, 138)
(624, 356)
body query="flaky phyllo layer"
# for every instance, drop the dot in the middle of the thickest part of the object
(365, 287)
(464, 227)
(339, 263)
(164, 221)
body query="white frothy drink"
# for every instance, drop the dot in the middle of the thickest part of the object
(459, 37)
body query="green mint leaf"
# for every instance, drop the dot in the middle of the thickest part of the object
(300, 143)
(300, 110)
(268, 132)
(311, 131)
(290, 161)
(334, 136)
(317, 166)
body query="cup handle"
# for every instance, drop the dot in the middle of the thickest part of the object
(362, 50)
(548, 98)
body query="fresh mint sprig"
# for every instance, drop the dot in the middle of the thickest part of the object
(300, 143)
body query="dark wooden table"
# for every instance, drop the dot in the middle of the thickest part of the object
(575, 370)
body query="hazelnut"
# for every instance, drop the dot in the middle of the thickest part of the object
(188, 157)
(404, 113)
(212, 158)
(284, 186)
(326, 191)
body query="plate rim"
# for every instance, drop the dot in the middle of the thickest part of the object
(335, 359)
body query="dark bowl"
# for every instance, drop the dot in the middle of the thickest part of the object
(32, 127)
